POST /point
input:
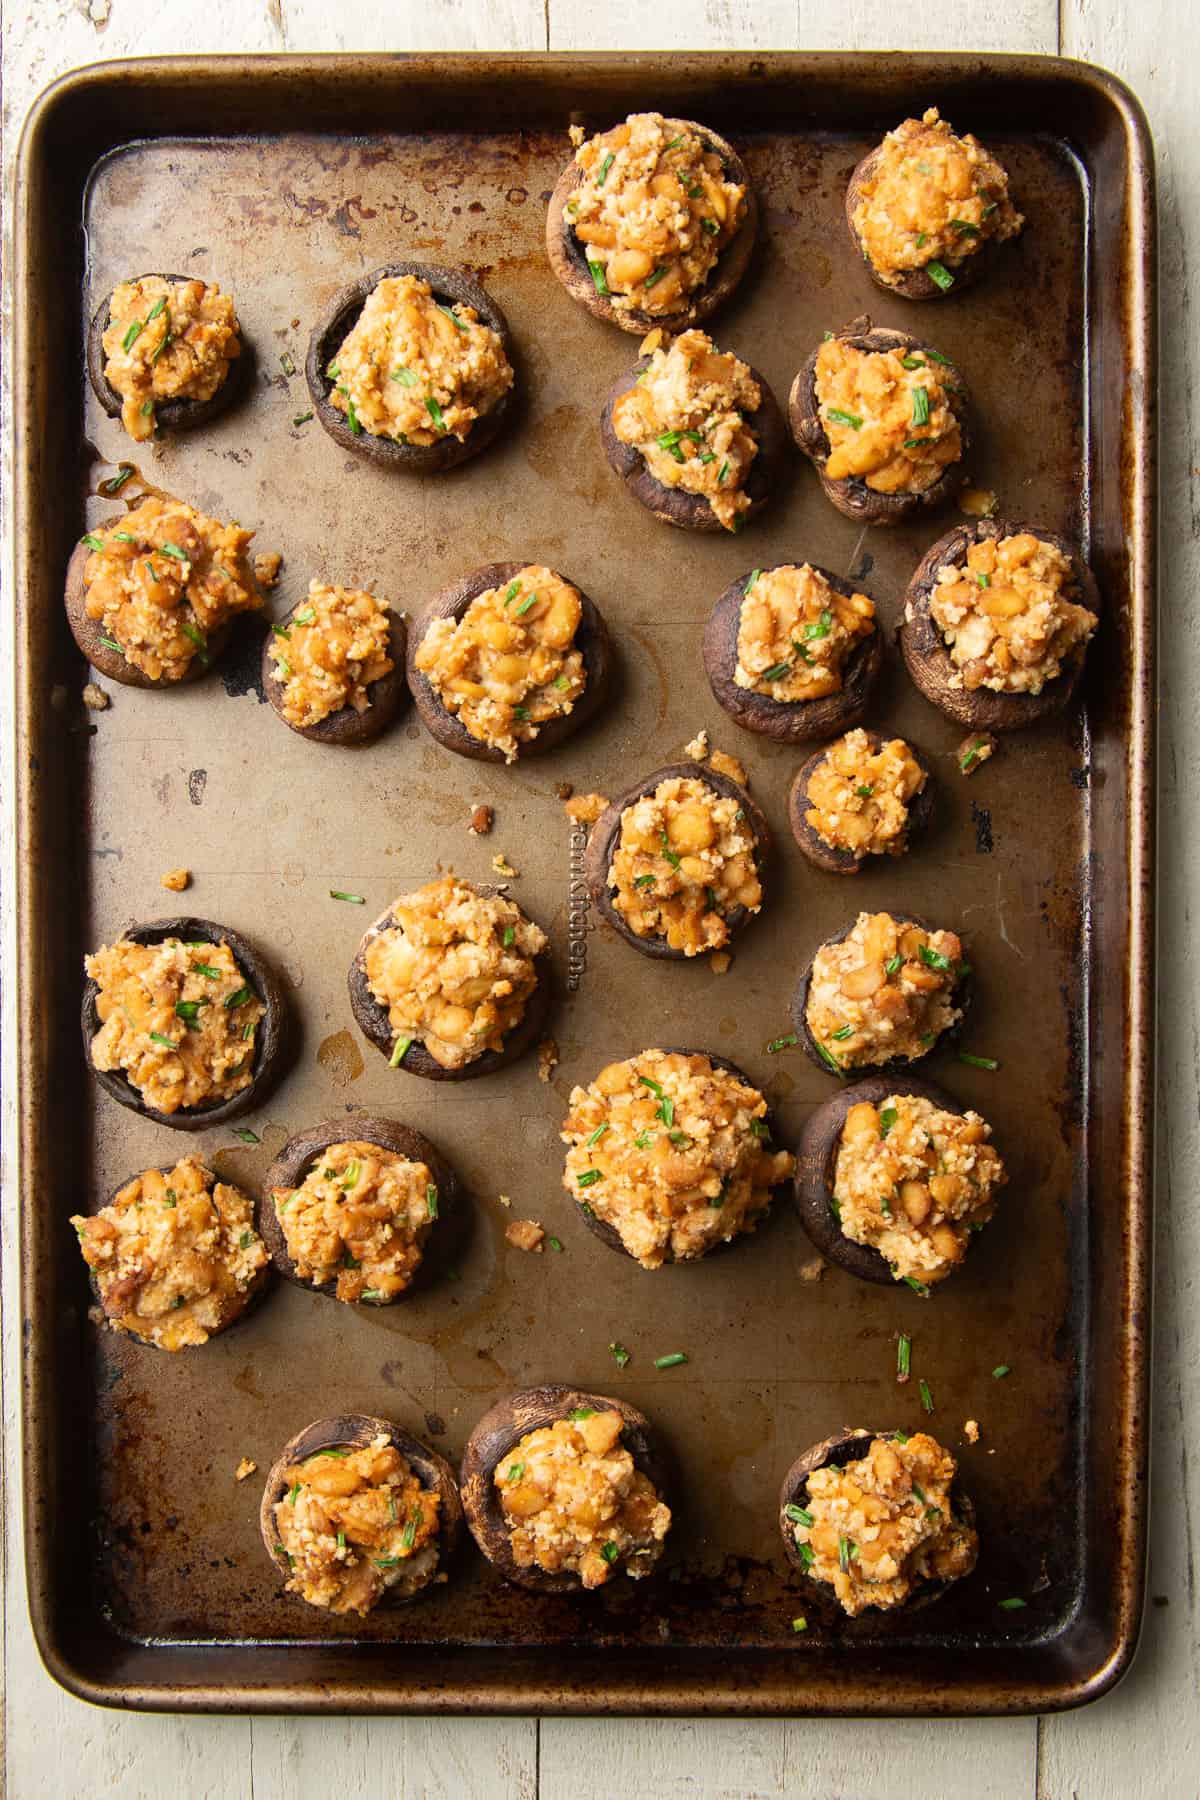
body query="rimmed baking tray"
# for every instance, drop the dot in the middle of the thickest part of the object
(283, 179)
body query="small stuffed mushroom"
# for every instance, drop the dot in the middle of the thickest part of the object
(508, 662)
(671, 263)
(675, 864)
(997, 621)
(185, 1022)
(671, 1155)
(881, 994)
(360, 1514)
(860, 797)
(879, 1517)
(411, 367)
(333, 668)
(793, 653)
(173, 1257)
(893, 1178)
(415, 982)
(525, 1465)
(165, 352)
(884, 419)
(151, 595)
(359, 1209)
(927, 209)
(696, 435)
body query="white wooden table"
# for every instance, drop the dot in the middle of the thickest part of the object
(1143, 1739)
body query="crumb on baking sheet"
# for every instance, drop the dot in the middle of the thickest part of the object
(95, 697)
(482, 820)
(974, 751)
(698, 748)
(585, 809)
(812, 1270)
(245, 1469)
(651, 342)
(978, 503)
(720, 961)
(267, 565)
(971, 1431)
(525, 1234)
(502, 865)
(547, 1058)
(176, 880)
(728, 765)
(504, 1199)
(563, 790)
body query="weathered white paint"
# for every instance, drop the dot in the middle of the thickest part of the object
(1145, 1738)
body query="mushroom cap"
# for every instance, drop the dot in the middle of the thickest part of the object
(829, 857)
(180, 414)
(346, 726)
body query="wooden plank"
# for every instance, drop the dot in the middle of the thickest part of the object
(436, 1759)
(802, 25)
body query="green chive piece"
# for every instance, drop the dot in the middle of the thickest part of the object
(132, 335)
(844, 418)
(915, 443)
(352, 418)
(111, 644)
(609, 1552)
(188, 1009)
(926, 1396)
(302, 418)
(894, 964)
(670, 1362)
(589, 1177)
(453, 317)
(903, 1357)
(761, 1129)
(933, 959)
(305, 616)
(195, 634)
(807, 1555)
(599, 278)
(337, 1453)
(723, 471)
(581, 1412)
(826, 1055)
(912, 362)
(978, 1062)
(1013, 1604)
(838, 1037)
(918, 1287)
(844, 1549)
(937, 272)
(156, 1037)
(751, 579)
(921, 238)
(514, 588)
(711, 226)
(654, 278)
(605, 166)
(822, 627)
(245, 1240)
(798, 1515)
(353, 899)
(400, 1050)
(920, 406)
(239, 999)
(281, 631)
(92, 541)
(864, 793)
(835, 1207)
(800, 1624)
(514, 1472)
(408, 1535)
(293, 1494)
(887, 1119)
(619, 1354)
(431, 1201)
(524, 607)
(173, 550)
(554, 1243)
(405, 377)
(247, 1136)
(1001, 1370)
(206, 969)
(596, 1135)
(776, 672)
(435, 413)
(964, 228)
(386, 1562)
(114, 483)
(782, 1043)
(643, 881)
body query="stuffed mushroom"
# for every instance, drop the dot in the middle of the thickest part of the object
(165, 353)
(651, 223)
(793, 653)
(333, 667)
(670, 1155)
(151, 595)
(894, 1178)
(410, 366)
(174, 1256)
(452, 981)
(881, 994)
(508, 662)
(878, 1518)
(564, 1491)
(860, 797)
(695, 434)
(184, 1021)
(884, 419)
(358, 1513)
(927, 209)
(675, 864)
(997, 621)
(358, 1209)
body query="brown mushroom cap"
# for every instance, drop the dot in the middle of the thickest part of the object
(848, 862)
(272, 1041)
(787, 721)
(347, 725)
(591, 639)
(603, 837)
(608, 1234)
(88, 634)
(373, 1021)
(355, 1431)
(248, 1302)
(675, 506)
(913, 284)
(816, 1160)
(180, 414)
(568, 258)
(500, 1430)
(850, 493)
(962, 993)
(295, 1162)
(847, 1446)
(330, 332)
(929, 662)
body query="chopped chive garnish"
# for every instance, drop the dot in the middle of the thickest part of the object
(751, 579)
(797, 1515)
(653, 279)
(525, 606)
(964, 228)
(921, 237)
(918, 1287)
(711, 226)
(668, 853)
(776, 672)
(111, 644)
(332, 370)
(92, 541)
(194, 633)
(156, 1037)
(619, 1354)
(514, 1472)
(920, 406)
(844, 418)
(431, 1201)
(673, 143)
(562, 681)
(352, 418)
(806, 1554)
(116, 482)
(723, 471)
(596, 1135)
(843, 1553)
(350, 1261)
(933, 959)
(453, 317)
(305, 616)
(280, 1551)
(247, 1136)
(350, 1175)
(509, 937)
(915, 443)
(353, 899)
(800, 1624)
(435, 413)
(206, 969)
(835, 1207)
(400, 1050)
(285, 668)
(405, 377)
(409, 1533)
(589, 1177)
(1001, 1370)
(1013, 1604)
(238, 999)
(554, 1243)
(302, 418)
(605, 166)
(124, 537)
(293, 1493)
(644, 1139)
(781, 1043)
(338, 1453)
(887, 1119)
(821, 627)
(244, 1240)
(188, 1009)
(643, 881)
(761, 1129)
(514, 588)
(903, 1357)
(937, 272)
(837, 1037)
(173, 550)
(864, 793)
(912, 362)
(978, 1062)
(827, 1056)
(926, 1396)
(282, 631)
(599, 278)
(609, 1552)
(670, 1362)
(132, 335)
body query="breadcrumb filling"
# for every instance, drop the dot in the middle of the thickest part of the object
(167, 340)
(329, 652)
(859, 798)
(684, 860)
(796, 633)
(360, 1219)
(889, 416)
(1008, 614)
(885, 991)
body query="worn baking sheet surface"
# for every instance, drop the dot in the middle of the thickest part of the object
(1030, 861)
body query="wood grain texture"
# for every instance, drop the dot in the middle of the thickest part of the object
(56, 1745)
